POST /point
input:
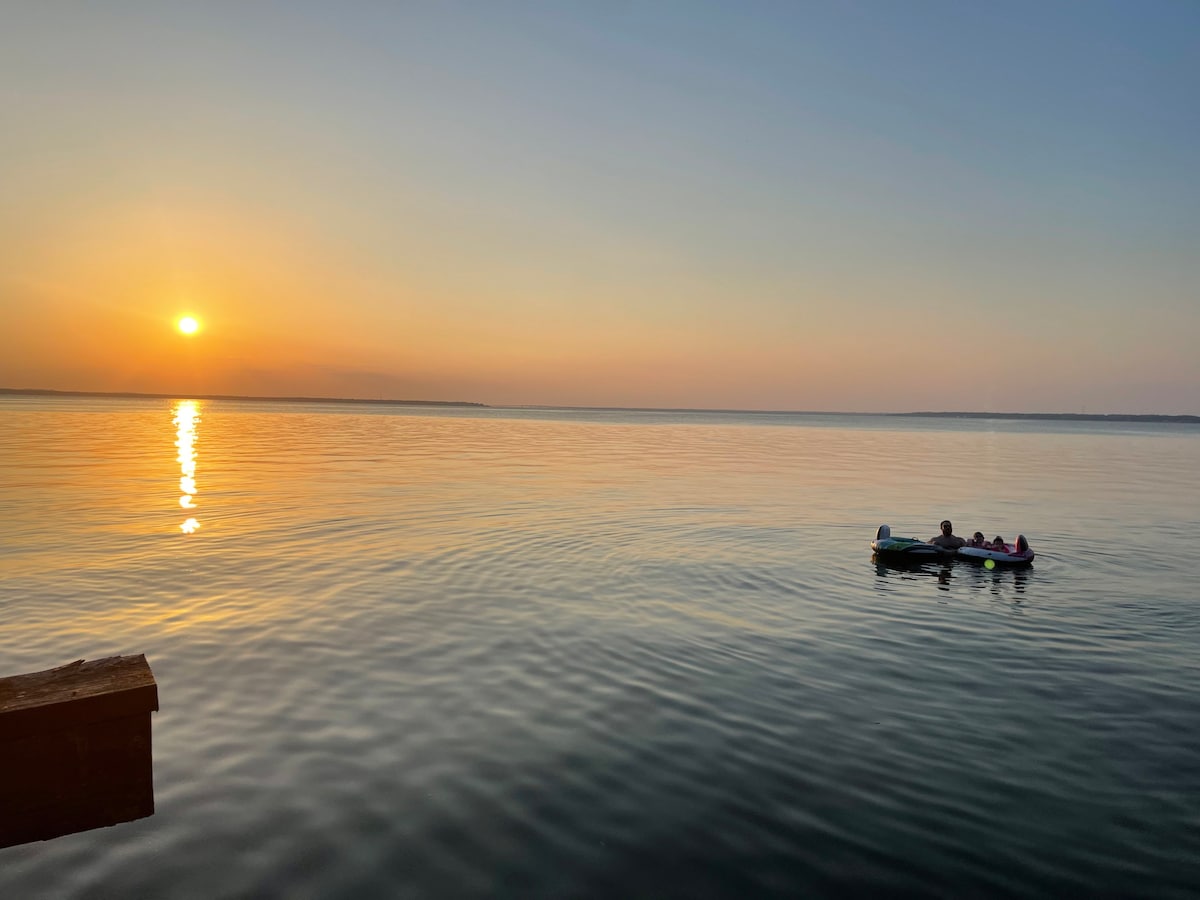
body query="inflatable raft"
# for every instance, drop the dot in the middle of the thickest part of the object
(913, 549)
(906, 548)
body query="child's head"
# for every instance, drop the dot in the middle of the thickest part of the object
(977, 537)
(999, 540)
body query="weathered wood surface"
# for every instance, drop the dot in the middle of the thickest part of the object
(75, 750)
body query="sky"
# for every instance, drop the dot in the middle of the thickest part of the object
(850, 206)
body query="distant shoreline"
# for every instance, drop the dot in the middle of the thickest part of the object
(137, 395)
(1068, 417)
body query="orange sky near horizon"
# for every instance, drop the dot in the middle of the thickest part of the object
(284, 313)
(272, 324)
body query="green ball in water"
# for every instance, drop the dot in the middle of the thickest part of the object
(989, 564)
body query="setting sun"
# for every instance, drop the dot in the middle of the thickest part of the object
(188, 325)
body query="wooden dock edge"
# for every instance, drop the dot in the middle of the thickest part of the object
(75, 748)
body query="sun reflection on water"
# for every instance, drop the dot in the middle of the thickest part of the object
(187, 416)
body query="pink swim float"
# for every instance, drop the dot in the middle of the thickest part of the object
(1017, 554)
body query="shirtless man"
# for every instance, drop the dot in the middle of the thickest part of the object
(947, 540)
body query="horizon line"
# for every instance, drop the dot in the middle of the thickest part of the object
(962, 414)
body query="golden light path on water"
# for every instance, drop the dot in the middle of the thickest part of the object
(187, 416)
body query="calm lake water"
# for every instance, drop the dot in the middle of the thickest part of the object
(423, 652)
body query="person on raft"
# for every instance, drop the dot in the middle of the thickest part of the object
(947, 540)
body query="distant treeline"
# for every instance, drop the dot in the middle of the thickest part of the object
(42, 392)
(1076, 417)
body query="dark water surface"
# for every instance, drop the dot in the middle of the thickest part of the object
(458, 653)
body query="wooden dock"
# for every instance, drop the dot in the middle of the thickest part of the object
(75, 748)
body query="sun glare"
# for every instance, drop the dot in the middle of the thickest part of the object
(188, 325)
